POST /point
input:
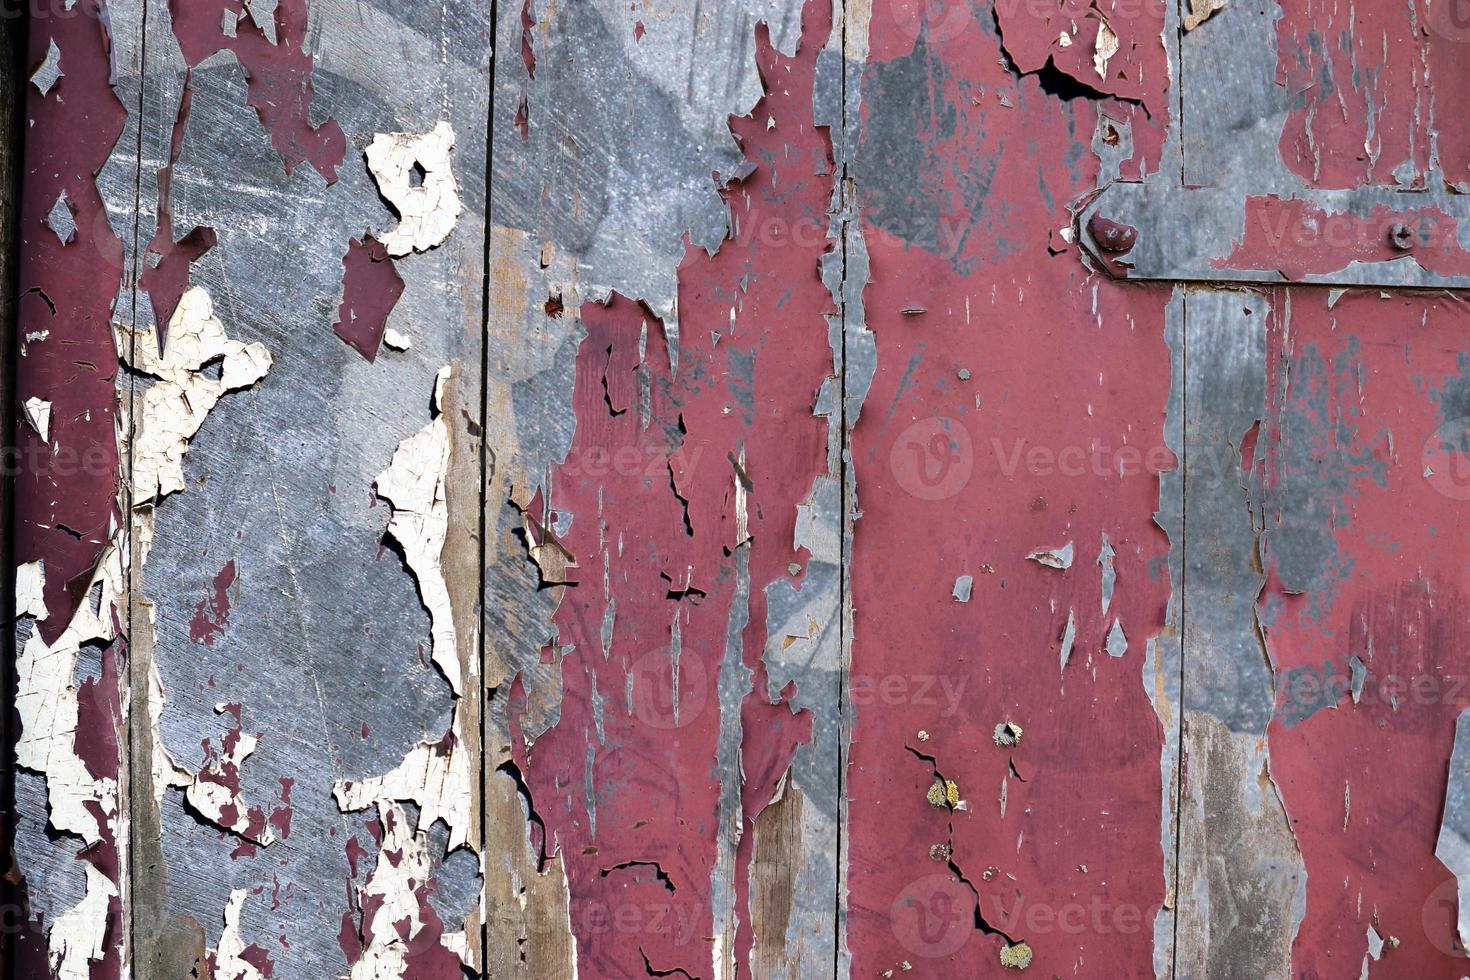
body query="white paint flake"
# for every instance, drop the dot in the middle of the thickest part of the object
(427, 211)
(79, 804)
(1107, 46)
(435, 776)
(229, 961)
(413, 484)
(394, 340)
(30, 590)
(166, 772)
(79, 936)
(38, 414)
(1054, 557)
(391, 897)
(46, 701)
(209, 792)
(49, 72)
(184, 394)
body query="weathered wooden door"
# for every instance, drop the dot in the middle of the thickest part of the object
(724, 488)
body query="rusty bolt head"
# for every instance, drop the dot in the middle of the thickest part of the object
(1401, 237)
(1111, 236)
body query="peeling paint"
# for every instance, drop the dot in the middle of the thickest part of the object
(184, 392)
(414, 485)
(414, 175)
(278, 69)
(399, 932)
(48, 72)
(38, 414)
(371, 287)
(397, 927)
(232, 959)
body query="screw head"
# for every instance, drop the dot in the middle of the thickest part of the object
(1401, 237)
(1112, 236)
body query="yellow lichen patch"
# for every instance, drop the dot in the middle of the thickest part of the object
(944, 792)
(1016, 957)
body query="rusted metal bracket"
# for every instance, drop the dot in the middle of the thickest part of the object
(1157, 230)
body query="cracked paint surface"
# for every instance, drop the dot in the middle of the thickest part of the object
(863, 582)
(279, 70)
(673, 556)
(415, 176)
(1370, 91)
(969, 307)
(435, 778)
(1362, 550)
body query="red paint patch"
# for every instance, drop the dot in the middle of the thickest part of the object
(1356, 391)
(65, 491)
(737, 414)
(371, 286)
(528, 48)
(1298, 239)
(1375, 92)
(281, 816)
(97, 743)
(212, 613)
(278, 76)
(1021, 410)
(166, 268)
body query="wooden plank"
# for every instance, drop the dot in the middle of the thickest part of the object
(14, 72)
(1008, 462)
(308, 600)
(821, 568)
(71, 829)
(1362, 616)
(679, 506)
(1242, 886)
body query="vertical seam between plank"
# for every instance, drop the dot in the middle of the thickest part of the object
(16, 41)
(481, 651)
(845, 217)
(1183, 615)
(126, 498)
(1178, 816)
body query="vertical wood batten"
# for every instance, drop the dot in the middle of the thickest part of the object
(269, 580)
(13, 29)
(608, 123)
